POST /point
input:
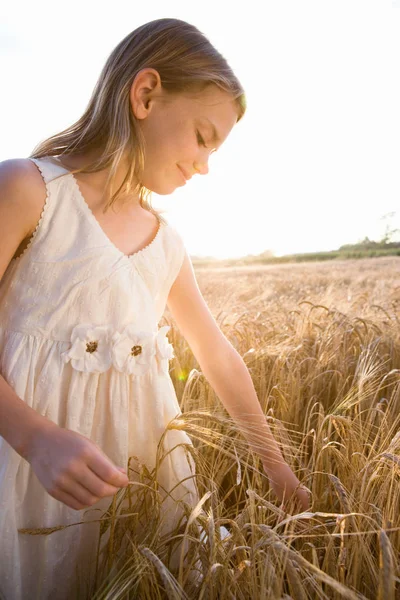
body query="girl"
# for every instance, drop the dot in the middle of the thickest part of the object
(87, 268)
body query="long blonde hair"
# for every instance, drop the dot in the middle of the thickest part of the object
(186, 62)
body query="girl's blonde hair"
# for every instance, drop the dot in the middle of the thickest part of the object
(186, 62)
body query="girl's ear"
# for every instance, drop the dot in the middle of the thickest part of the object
(145, 86)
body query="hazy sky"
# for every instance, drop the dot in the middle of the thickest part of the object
(315, 162)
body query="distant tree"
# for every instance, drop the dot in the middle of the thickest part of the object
(385, 242)
(364, 244)
(389, 231)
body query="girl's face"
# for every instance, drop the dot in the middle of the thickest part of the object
(179, 130)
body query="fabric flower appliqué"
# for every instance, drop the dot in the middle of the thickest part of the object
(164, 349)
(91, 348)
(133, 350)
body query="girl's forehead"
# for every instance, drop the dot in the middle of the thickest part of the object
(210, 106)
(209, 96)
(204, 105)
(213, 95)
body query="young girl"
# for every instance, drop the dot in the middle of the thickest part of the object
(87, 268)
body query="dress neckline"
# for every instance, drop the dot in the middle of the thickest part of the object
(91, 216)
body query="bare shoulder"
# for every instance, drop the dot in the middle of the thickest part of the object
(22, 193)
(22, 197)
(20, 174)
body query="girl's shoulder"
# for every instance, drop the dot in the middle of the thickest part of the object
(19, 172)
(22, 197)
(22, 189)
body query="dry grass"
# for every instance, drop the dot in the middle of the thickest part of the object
(322, 344)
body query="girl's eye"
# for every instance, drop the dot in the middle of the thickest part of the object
(200, 140)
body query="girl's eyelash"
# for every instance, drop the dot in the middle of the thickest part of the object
(200, 140)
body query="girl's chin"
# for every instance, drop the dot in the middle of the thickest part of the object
(167, 181)
(163, 190)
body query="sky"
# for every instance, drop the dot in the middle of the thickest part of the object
(315, 161)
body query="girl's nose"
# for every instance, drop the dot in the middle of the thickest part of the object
(201, 168)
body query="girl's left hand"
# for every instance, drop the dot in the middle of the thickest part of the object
(284, 483)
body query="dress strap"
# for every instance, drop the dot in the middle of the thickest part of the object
(49, 168)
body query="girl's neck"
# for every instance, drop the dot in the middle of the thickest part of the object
(96, 181)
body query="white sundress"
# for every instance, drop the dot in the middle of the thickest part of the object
(80, 344)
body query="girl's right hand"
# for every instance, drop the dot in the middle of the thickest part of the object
(72, 468)
(287, 487)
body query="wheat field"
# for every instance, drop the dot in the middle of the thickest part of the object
(322, 344)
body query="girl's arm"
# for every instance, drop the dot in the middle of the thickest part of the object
(227, 373)
(22, 196)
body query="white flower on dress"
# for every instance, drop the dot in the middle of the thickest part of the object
(95, 349)
(164, 349)
(133, 350)
(91, 348)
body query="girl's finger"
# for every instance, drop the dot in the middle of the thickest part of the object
(87, 488)
(101, 466)
(67, 499)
